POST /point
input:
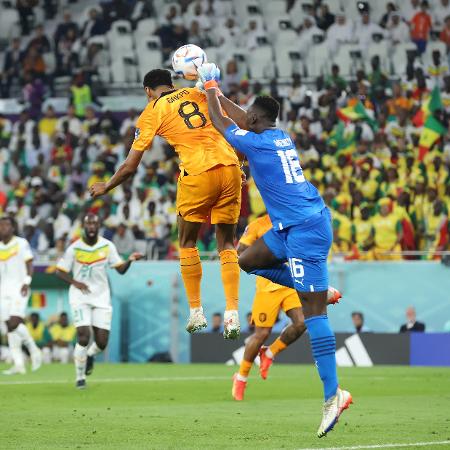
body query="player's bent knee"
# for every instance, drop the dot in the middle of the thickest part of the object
(13, 323)
(83, 336)
(244, 264)
(102, 343)
(262, 333)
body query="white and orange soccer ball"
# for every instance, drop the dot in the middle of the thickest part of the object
(187, 59)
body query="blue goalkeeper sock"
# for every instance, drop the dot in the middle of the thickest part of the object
(280, 274)
(323, 345)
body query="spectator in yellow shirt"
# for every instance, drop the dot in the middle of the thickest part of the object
(63, 337)
(387, 232)
(41, 335)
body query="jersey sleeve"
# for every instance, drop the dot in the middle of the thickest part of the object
(66, 262)
(243, 140)
(146, 127)
(114, 258)
(26, 250)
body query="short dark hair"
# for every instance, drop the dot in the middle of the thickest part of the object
(156, 78)
(9, 219)
(359, 314)
(268, 105)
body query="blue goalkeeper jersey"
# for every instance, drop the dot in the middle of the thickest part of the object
(274, 164)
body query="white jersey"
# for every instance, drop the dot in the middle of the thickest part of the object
(88, 265)
(13, 266)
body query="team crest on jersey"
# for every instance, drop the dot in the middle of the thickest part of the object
(262, 317)
(137, 133)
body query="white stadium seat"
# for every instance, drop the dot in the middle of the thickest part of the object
(274, 8)
(261, 62)
(349, 58)
(318, 62)
(334, 5)
(399, 58)
(289, 61)
(124, 70)
(9, 23)
(382, 50)
(145, 27)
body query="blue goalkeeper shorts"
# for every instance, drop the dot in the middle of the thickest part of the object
(305, 247)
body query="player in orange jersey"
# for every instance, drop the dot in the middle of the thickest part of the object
(209, 185)
(269, 299)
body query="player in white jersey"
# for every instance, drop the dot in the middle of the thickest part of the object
(89, 293)
(16, 270)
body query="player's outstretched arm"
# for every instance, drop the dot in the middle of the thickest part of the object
(122, 269)
(209, 74)
(234, 112)
(127, 169)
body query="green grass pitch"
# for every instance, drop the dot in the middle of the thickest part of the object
(190, 407)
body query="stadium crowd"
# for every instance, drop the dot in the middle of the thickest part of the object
(358, 137)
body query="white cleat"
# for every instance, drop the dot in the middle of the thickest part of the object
(197, 320)
(332, 409)
(14, 370)
(231, 325)
(36, 360)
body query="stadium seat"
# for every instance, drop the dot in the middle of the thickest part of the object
(318, 60)
(261, 62)
(334, 5)
(289, 61)
(378, 8)
(213, 55)
(148, 44)
(280, 29)
(100, 40)
(120, 38)
(349, 57)
(382, 50)
(245, 9)
(274, 8)
(145, 27)
(50, 62)
(9, 23)
(148, 60)
(399, 58)
(350, 8)
(124, 69)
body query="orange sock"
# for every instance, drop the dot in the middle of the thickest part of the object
(277, 346)
(245, 367)
(230, 277)
(191, 272)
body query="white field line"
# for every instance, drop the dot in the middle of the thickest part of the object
(363, 447)
(113, 380)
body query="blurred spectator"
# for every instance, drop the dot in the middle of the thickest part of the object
(324, 19)
(63, 338)
(40, 41)
(66, 27)
(398, 30)
(412, 325)
(341, 32)
(437, 70)
(216, 323)
(80, 95)
(386, 18)
(421, 25)
(41, 335)
(358, 322)
(441, 11)
(93, 26)
(444, 35)
(409, 9)
(124, 241)
(12, 66)
(364, 31)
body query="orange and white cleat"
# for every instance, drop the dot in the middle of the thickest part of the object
(238, 389)
(333, 295)
(264, 363)
(332, 409)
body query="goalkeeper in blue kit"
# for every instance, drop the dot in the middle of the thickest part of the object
(301, 233)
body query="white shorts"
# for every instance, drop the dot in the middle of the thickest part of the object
(13, 307)
(85, 315)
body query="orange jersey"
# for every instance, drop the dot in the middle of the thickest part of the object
(181, 117)
(253, 232)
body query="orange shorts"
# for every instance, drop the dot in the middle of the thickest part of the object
(267, 305)
(215, 193)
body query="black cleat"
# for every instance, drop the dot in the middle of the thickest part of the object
(89, 365)
(81, 384)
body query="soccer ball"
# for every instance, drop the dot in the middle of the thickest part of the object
(186, 59)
